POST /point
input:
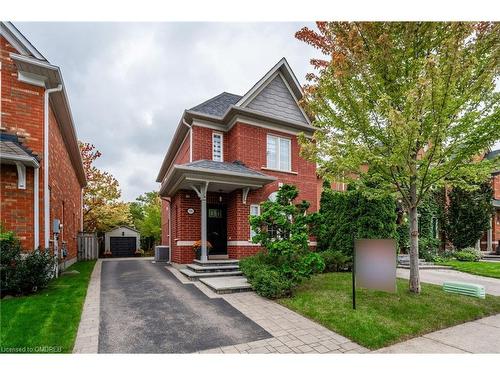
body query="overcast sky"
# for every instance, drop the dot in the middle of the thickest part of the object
(128, 83)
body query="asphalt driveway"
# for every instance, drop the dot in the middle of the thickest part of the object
(145, 309)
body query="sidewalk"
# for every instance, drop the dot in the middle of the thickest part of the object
(480, 336)
(491, 284)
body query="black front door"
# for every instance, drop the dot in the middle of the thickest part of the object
(217, 229)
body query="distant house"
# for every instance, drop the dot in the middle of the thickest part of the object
(229, 154)
(491, 240)
(122, 241)
(42, 174)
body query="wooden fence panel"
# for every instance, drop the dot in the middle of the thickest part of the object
(88, 248)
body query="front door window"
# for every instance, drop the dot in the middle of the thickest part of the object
(217, 229)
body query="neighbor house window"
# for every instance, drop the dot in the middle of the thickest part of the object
(279, 153)
(254, 211)
(217, 147)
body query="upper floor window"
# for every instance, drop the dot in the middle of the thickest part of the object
(217, 147)
(279, 153)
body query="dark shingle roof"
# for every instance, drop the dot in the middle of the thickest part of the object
(11, 146)
(492, 154)
(218, 105)
(234, 167)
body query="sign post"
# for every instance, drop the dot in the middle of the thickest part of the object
(354, 280)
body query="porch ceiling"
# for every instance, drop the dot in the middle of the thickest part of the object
(220, 180)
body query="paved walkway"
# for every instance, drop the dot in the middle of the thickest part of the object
(491, 285)
(480, 336)
(291, 332)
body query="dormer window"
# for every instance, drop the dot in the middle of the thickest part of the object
(217, 147)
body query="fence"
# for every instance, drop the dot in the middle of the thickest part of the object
(88, 247)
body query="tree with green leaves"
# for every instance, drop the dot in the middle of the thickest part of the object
(146, 213)
(468, 215)
(416, 102)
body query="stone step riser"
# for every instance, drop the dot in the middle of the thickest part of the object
(196, 276)
(219, 263)
(212, 270)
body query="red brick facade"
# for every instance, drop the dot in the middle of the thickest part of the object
(246, 143)
(22, 113)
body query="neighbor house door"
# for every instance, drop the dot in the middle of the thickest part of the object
(217, 229)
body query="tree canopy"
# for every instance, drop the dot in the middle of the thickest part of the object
(416, 102)
(102, 207)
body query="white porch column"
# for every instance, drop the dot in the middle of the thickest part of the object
(36, 207)
(202, 194)
(489, 237)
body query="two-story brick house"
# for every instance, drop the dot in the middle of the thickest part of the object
(229, 154)
(42, 173)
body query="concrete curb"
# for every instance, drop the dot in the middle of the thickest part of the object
(87, 338)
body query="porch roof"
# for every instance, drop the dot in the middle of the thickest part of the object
(222, 177)
(12, 151)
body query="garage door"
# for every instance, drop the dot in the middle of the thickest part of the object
(122, 246)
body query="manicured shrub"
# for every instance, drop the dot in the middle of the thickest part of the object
(428, 249)
(23, 273)
(468, 254)
(283, 229)
(336, 261)
(468, 214)
(271, 283)
(10, 258)
(346, 216)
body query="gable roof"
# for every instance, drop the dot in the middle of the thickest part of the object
(274, 98)
(19, 41)
(218, 105)
(30, 60)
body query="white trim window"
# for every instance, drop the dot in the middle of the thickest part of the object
(254, 211)
(279, 153)
(217, 146)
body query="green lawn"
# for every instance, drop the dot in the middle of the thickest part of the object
(384, 318)
(488, 269)
(47, 319)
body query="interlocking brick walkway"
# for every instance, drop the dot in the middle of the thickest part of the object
(292, 333)
(87, 338)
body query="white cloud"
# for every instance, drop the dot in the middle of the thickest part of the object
(128, 83)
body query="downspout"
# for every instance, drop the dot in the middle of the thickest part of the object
(46, 197)
(36, 207)
(190, 139)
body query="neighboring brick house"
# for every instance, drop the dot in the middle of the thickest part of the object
(42, 173)
(227, 156)
(491, 240)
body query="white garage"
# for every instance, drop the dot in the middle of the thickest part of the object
(122, 241)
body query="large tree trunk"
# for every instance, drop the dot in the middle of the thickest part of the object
(414, 282)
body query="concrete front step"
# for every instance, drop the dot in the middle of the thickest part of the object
(218, 262)
(194, 276)
(225, 285)
(205, 269)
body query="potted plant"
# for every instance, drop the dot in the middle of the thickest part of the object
(139, 253)
(197, 249)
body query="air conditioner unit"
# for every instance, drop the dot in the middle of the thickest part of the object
(162, 254)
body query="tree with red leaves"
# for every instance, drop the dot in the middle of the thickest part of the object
(102, 208)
